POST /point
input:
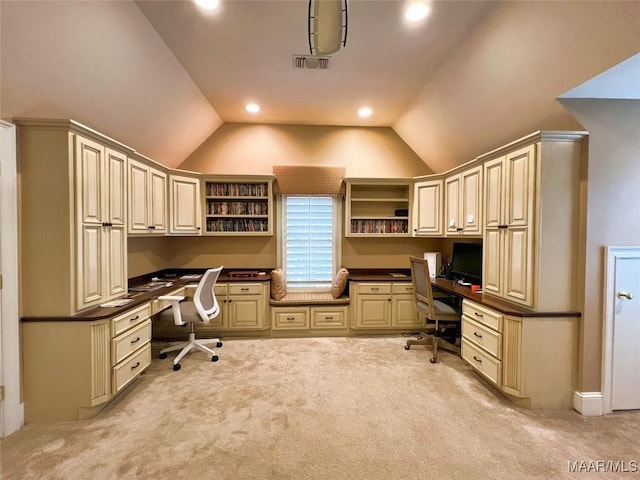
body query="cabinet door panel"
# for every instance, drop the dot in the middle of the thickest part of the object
(492, 261)
(471, 201)
(184, 202)
(452, 207)
(138, 197)
(517, 267)
(427, 208)
(116, 191)
(89, 184)
(403, 312)
(90, 264)
(158, 205)
(519, 187)
(374, 311)
(116, 261)
(493, 192)
(245, 311)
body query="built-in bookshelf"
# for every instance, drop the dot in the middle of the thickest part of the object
(377, 208)
(238, 206)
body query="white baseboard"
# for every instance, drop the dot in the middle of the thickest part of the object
(589, 404)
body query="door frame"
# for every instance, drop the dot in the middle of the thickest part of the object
(12, 406)
(612, 254)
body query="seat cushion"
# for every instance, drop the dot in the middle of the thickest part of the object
(188, 311)
(442, 308)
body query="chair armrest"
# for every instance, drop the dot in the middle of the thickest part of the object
(175, 307)
(172, 298)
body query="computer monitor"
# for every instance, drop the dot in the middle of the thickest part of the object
(466, 262)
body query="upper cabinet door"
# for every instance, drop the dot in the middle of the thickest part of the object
(427, 203)
(493, 192)
(520, 176)
(470, 210)
(138, 197)
(184, 205)
(116, 189)
(89, 186)
(452, 222)
(158, 201)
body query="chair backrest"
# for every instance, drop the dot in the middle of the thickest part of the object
(422, 286)
(204, 298)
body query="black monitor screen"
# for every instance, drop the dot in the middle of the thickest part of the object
(466, 261)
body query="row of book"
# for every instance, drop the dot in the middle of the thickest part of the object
(237, 189)
(238, 225)
(379, 226)
(237, 208)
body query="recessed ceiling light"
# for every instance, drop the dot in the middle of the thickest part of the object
(417, 11)
(365, 112)
(208, 4)
(252, 107)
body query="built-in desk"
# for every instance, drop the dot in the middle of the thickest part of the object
(529, 355)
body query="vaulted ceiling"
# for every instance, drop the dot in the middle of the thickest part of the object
(162, 76)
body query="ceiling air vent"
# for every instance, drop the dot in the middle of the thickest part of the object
(310, 61)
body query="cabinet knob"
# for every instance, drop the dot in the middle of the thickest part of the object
(624, 294)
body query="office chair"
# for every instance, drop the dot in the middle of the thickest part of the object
(204, 308)
(446, 318)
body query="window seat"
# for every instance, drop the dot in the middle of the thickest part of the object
(309, 298)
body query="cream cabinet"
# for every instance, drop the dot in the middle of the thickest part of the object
(101, 241)
(73, 368)
(382, 306)
(243, 307)
(427, 208)
(73, 200)
(463, 203)
(531, 220)
(147, 199)
(185, 217)
(309, 320)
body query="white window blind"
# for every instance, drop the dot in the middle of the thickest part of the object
(309, 241)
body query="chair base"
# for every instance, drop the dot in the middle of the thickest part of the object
(430, 339)
(186, 347)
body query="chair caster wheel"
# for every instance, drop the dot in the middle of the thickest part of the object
(214, 358)
(219, 344)
(407, 347)
(176, 367)
(432, 360)
(162, 356)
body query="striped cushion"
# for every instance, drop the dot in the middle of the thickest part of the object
(309, 299)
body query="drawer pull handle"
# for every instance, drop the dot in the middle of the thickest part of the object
(133, 319)
(245, 289)
(478, 314)
(477, 334)
(133, 367)
(374, 289)
(135, 341)
(328, 317)
(291, 318)
(479, 360)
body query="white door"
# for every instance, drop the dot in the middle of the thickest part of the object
(625, 378)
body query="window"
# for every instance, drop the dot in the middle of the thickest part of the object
(309, 246)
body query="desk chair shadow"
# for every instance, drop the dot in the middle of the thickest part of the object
(446, 319)
(204, 308)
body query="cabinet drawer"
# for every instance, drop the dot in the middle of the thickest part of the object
(130, 319)
(402, 288)
(483, 315)
(127, 370)
(159, 305)
(374, 288)
(220, 289)
(328, 317)
(482, 336)
(486, 364)
(127, 343)
(244, 289)
(290, 318)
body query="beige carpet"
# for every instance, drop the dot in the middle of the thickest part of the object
(325, 408)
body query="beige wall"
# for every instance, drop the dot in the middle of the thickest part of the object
(612, 211)
(148, 254)
(254, 149)
(502, 82)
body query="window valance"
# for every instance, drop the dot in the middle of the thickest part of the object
(308, 180)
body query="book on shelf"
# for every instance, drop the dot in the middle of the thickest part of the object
(215, 189)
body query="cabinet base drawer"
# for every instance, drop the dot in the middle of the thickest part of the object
(374, 288)
(290, 318)
(330, 317)
(129, 342)
(480, 314)
(480, 335)
(129, 319)
(486, 364)
(130, 368)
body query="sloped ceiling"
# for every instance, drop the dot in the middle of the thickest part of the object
(162, 77)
